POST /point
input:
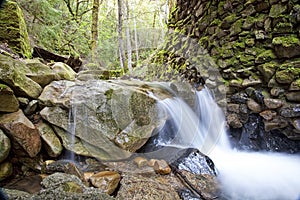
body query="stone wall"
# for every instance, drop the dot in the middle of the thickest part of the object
(255, 47)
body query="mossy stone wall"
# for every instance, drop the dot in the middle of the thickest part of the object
(13, 30)
(255, 46)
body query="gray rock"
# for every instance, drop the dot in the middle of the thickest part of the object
(51, 141)
(254, 106)
(273, 103)
(291, 110)
(293, 96)
(64, 71)
(31, 107)
(5, 146)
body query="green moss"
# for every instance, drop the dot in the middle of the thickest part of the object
(284, 77)
(239, 45)
(265, 56)
(287, 41)
(236, 28)
(3, 87)
(277, 9)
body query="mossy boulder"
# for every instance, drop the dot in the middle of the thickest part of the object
(13, 29)
(13, 73)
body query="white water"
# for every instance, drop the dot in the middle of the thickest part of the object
(243, 175)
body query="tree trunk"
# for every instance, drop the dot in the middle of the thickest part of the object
(129, 48)
(120, 34)
(94, 38)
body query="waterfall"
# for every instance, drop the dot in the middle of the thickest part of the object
(71, 130)
(243, 175)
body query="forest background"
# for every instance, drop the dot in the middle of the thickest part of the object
(113, 34)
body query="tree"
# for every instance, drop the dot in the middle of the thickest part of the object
(129, 48)
(94, 30)
(120, 34)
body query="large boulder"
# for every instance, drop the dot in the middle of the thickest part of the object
(13, 73)
(12, 22)
(111, 118)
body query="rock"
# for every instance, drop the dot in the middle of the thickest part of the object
(5, 146)
(254, 106)
(276, 91)
(65, 186)
(29, 184)
(194, 161)
(205, 184)
(291, 110)
(268, 70)
(140, 161)
(296, 124)
(284, 77)
(71, 143)
(107, 181)
(239, 98)
(8, 101)
(161, 167)
(51, 141)
(293, 96)
(286, 46)
(6, 170)
(275, 123)
(295, 85)
(54, 93)
(64, 71)
(251, 82)
(64, 166)
(12, 73)
(31, 107)
(117, 117)
(40, 73)
(268, 114)
(273, 103)
(140, 187)
(233, 120)
(22, 131)
(12, 22)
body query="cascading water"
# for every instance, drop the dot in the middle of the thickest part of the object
(243, 175)
(71, 130)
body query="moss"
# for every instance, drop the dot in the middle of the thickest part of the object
(265, 56)
(277, 9)
(239, 45)
(290, 68)
(250, 42)
(236, 28)
(287, 41)
(284, 77)
(283, 27)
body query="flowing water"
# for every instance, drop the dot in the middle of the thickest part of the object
(243, 175)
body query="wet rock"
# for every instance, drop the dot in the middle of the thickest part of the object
(161, 167)
(107, 181)
(292, 110)
(50, 94)
(51, 141)
(254, 106)
(293, 96)
(13, 74)
(251, 82)
(6, 170)
(239, 98)
(117, 117)
(8, 101)
(276, 123)
(139, 187)
(5, 146)
(22, 131)
(233, 120)
(273, 103)
(194, 161)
